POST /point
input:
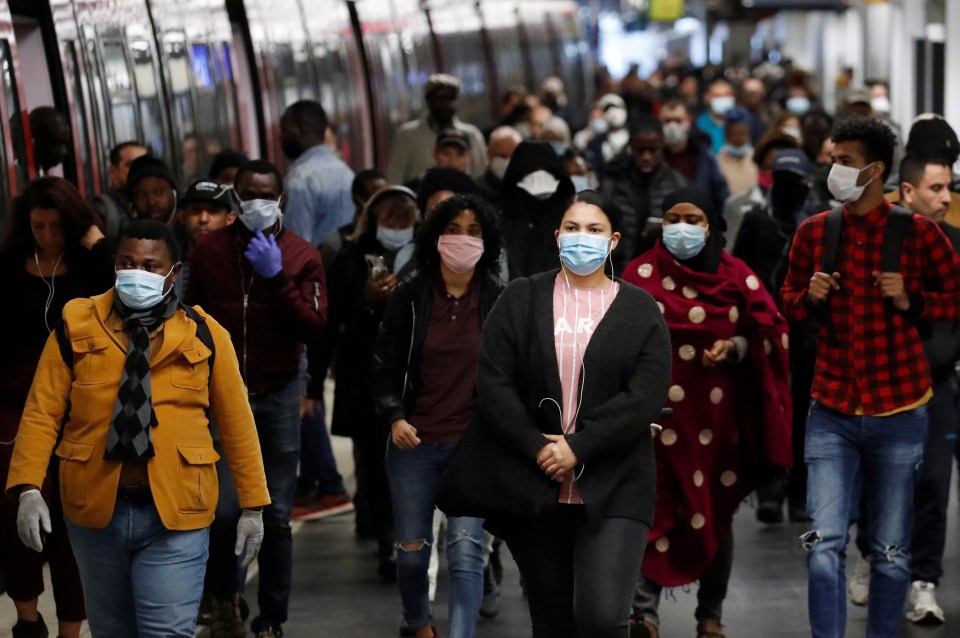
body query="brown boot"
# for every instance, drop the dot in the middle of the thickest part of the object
(225, 620)
(643, 629)
(709, 629)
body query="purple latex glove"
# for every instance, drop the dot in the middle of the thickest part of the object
(264, 255)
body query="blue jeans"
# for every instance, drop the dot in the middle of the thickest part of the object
(277, 415)
(845, 453)
(140, 580)
(413, 478)
(318, 468)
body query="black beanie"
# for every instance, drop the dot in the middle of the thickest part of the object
(933, 136)
(149, 166)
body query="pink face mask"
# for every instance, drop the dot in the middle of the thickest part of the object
(460, 253)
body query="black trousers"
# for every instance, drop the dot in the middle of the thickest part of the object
(579, 579)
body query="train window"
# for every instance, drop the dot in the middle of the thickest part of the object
(223, 71)
(12, 99)
(103, 131)
(212, 101)
(148, 93)
(80, 119)
(124, 118)
(178, 64)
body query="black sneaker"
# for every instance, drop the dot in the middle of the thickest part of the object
(31, 629)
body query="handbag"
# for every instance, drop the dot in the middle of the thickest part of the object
(484, 478)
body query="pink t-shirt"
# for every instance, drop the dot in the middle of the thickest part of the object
(576, 314)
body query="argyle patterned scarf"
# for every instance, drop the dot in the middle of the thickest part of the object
(133, 417)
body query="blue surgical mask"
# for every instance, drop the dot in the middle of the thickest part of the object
(394, 238)
(139, 289)
(798, 105)
(582, 253)
(738, 151)
(684, 240)
(259, 214)
(580, 182)
(559, 148)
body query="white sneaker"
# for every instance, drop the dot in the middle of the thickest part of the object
(859, 586)
(922, 607)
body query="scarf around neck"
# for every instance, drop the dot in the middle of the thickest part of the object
(129, 436)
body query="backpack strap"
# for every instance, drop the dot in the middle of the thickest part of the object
(831, 240)
(66, 348)
(203, 332)
(898, 221)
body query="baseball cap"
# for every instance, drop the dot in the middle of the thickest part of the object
(858, 96)
(791, 160)
(453, 137)
(207, 191)
(439, 81)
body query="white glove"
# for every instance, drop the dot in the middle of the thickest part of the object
(31, 514)
(249, 536)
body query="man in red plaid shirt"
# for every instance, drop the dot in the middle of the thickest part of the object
(868, 416)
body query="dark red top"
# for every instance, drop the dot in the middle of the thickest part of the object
(448, 367)
(684, 163)
(855, 374)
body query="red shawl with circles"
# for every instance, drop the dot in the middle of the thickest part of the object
(728, 421)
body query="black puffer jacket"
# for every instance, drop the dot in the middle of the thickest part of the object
(529, 223)
(399, 346)
(941, 339)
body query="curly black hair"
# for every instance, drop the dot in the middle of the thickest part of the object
(877, 140)
(428, 258)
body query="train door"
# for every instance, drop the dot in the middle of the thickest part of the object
(284, 63)
(503, 39)
(458, 33)
(16, 156)
(194, 40)
(538, 53)
(573, 56)
(339, 69)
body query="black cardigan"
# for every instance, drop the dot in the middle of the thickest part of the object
(627, 373)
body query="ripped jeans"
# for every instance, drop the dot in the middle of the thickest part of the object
(843, 453)
(413, 478)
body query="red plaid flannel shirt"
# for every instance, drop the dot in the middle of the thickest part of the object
(855, 373)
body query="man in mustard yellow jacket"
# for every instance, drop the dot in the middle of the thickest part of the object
(122, 395)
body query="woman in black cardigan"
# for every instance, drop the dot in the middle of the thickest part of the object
(582, 414)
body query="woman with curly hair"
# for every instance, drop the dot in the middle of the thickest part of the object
(425, 370)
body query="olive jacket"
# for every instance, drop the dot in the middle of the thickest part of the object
(69, 411)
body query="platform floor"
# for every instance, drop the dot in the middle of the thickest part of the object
(337, 593)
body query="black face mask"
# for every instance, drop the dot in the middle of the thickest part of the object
(788, 195)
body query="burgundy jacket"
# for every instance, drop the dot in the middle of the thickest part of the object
(269, 320)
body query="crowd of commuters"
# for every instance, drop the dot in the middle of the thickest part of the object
(506, 315)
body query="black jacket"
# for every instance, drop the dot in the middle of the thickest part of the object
(399, 345)
(639, 197)
(529, 223)
(624, 386)
(941, 339)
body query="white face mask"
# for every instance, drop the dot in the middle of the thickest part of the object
(842, 182)
(540, 184)
(675, 133)
(616, 117)
(259, 214)
(722, 105)
(880, 104)
(498, 166)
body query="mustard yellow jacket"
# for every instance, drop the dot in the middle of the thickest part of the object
(183, 477)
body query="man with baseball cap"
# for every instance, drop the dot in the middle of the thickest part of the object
(452, 150)
(411, 152)
(206, 206)
(152, 189)
(932, 138)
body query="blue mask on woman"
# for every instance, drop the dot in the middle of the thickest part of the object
(582, 253)
(394, 238)
(139, 289)
(684, 240)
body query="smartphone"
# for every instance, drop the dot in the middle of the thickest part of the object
(376, 265)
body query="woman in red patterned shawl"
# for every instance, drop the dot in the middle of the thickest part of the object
(730, 399)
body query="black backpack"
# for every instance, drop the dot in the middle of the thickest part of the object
(893, 235)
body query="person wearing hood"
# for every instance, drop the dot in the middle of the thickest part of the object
(735, 157)
(152, 188)
(533, 196)
(607, 145)
(266, 285)
(638, 181)
(411, 151)
(730, 399)
(687, 151)
(362, 279)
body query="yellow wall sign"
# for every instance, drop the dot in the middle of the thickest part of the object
(666, 10)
